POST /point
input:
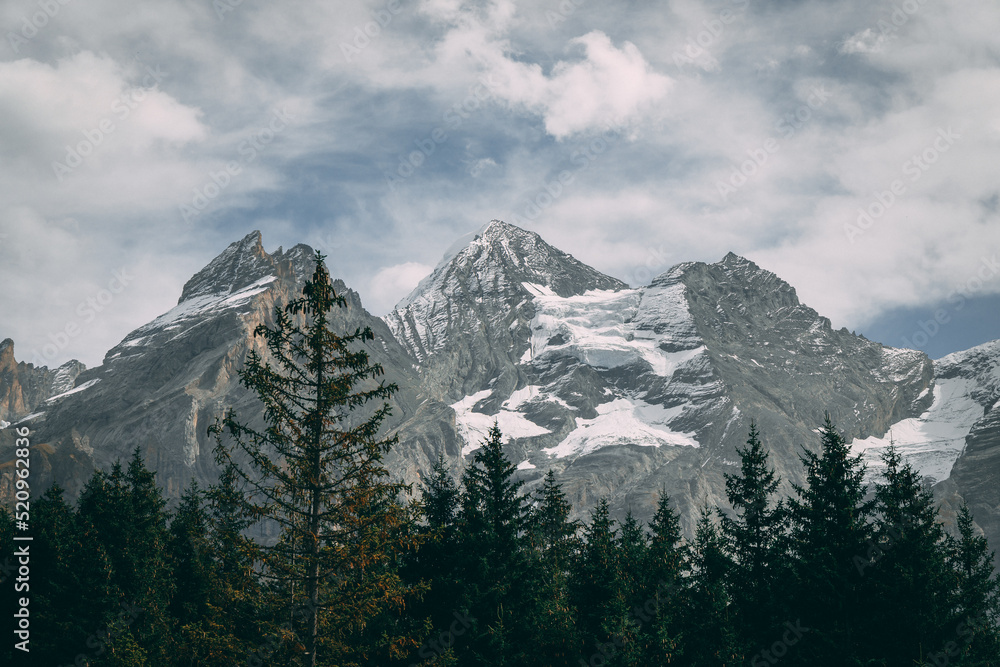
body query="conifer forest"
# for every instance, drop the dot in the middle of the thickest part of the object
(308, 552)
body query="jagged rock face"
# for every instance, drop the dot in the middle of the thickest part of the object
(974, 477)
(167, 381)
(624, 391)
(472, 312)
(785, 367)
(24, 387)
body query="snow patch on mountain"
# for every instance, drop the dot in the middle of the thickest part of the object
(192, 311)
(473, 426)
(65, 377)
(932, 442)
(86, 385)
(600, 329)
(624, 422)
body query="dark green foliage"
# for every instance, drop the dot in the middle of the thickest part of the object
(492, 517)
(907, 580)
(317, 472)
(551, 532)
(598, 591)
(124, 511)
(75, 599)
(661, 612)
(977, 596)
(831, 530)
(754, 539)
(857, 582)
(552, 628)
(710, 636)
(189, 549)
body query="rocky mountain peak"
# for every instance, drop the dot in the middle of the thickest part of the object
(498, 259)
(6, 354)
(243, 263)
(736, 284)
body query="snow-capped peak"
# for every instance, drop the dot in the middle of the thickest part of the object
(244, 262)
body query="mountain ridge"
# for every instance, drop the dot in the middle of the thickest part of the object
(623, 391)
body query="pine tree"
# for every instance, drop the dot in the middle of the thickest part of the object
(976, 624)
(440, 499)
(217, 594)
(608, 631)
(753, 539)
(492, 516)
(830, 529)
(633, 545)
(189, 551)
(551, 532)
(317, 471)
(73, 603)
(665, 567)
(907, 582)
(233, 623)
(125, 511)
(552, 623)
(436, 562)
(708, 628)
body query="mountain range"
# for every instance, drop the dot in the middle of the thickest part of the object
(624, 392)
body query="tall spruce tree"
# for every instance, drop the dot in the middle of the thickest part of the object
(317, 471)
(597, 590)
(830, 529)
(553, 632)
(189, 551)
(708, 627)
(125, 510)
(976, 626)
(74, 602)
(907, 580)
(492, 516)
(218, 606)
(754, 540)
(436, 561)
(666, 565)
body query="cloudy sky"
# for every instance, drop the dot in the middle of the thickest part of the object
(850, 147)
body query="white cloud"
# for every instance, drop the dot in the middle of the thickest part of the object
(609, 87)
(392, 283)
